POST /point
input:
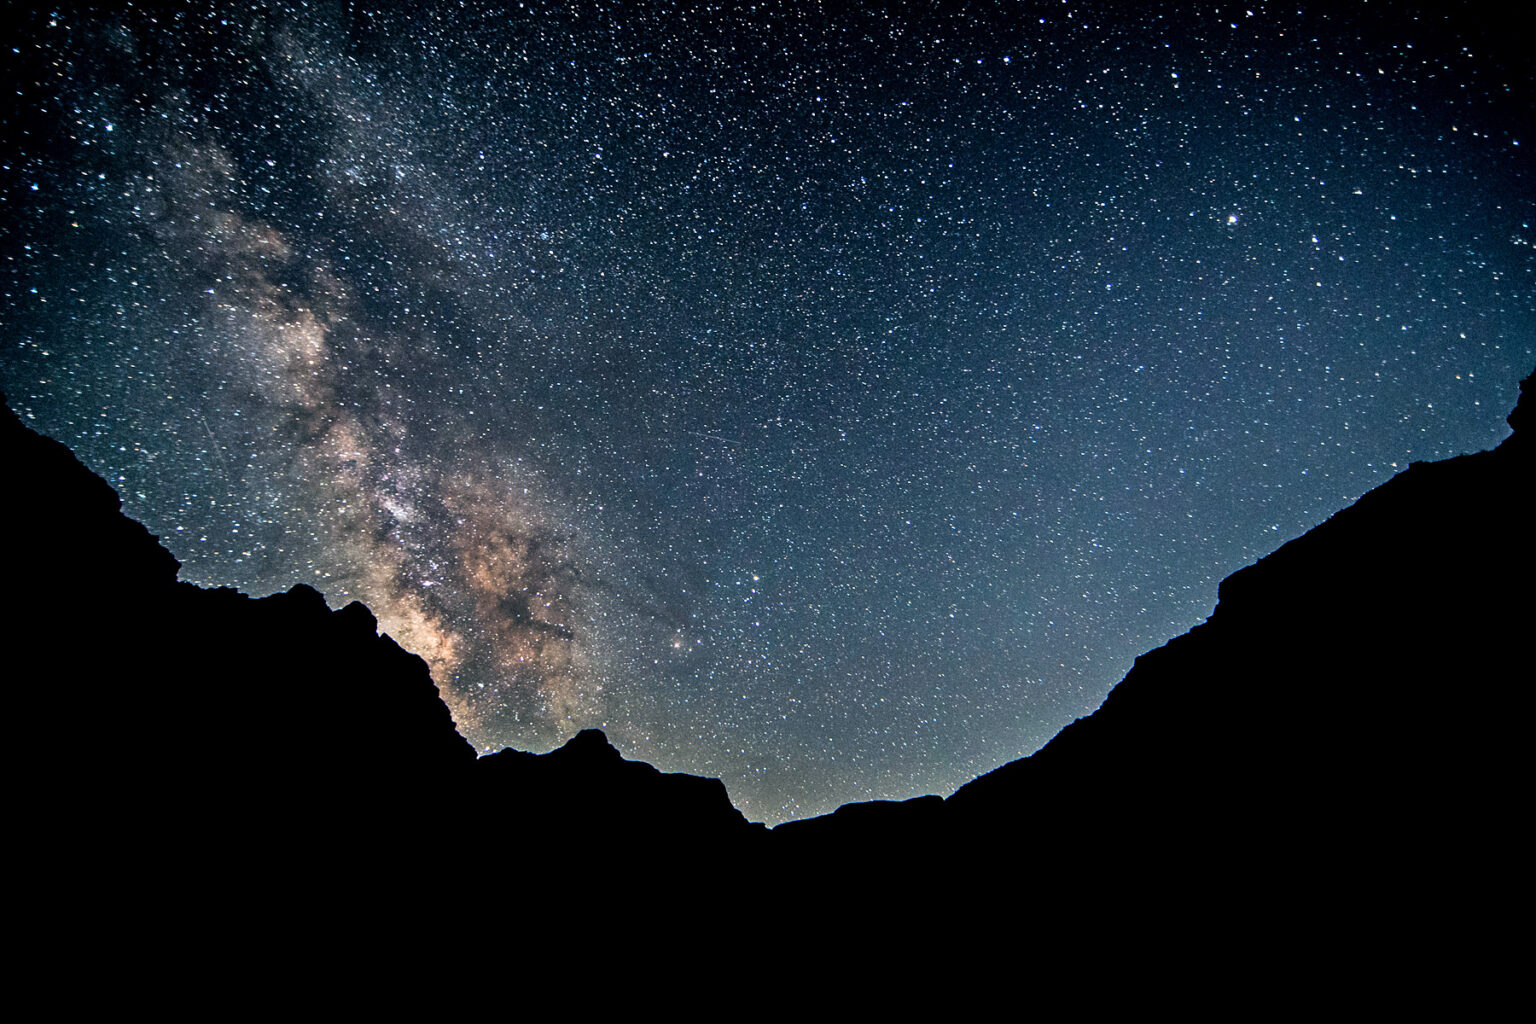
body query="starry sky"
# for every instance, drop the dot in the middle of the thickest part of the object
(833, 399)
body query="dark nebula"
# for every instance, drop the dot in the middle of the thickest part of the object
(831, 400)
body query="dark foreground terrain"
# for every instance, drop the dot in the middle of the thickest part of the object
(1328, 774)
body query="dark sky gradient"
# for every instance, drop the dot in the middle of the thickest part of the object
(833, 402)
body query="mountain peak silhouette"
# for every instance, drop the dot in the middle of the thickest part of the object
(1346, 729)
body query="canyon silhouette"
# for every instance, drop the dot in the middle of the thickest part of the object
(1341, 741)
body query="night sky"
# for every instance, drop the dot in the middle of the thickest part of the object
(834, 402)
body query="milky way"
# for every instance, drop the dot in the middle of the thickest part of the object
(833, 401)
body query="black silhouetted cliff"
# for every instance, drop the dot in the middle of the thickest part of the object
(1343, 739)
(1364, 680)
(271, 739)
(1345, 728)
(1318, 789)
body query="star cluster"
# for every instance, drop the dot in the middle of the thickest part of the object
(834, 400)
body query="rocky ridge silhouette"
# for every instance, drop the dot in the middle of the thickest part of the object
(1342, 728)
